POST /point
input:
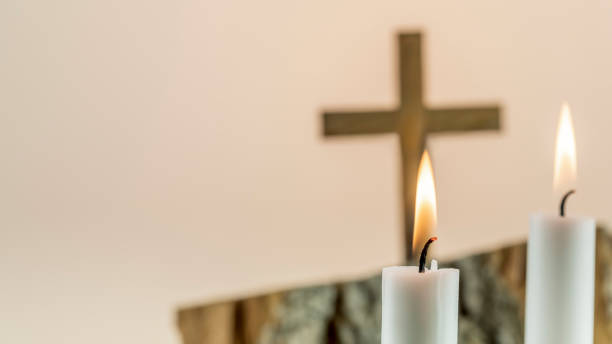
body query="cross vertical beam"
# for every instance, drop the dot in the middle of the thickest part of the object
(411, 129)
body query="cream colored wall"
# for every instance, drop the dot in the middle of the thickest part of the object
(157, 154)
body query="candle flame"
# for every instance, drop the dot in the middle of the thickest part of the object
(565, 153)
(425, 210)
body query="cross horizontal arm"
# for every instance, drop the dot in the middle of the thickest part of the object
(345, 123)
(466, 119)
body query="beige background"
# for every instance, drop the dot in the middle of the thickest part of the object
(162, 153)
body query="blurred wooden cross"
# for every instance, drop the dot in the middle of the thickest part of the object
(412, 121)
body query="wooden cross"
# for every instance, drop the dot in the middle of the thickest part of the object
(412, 121)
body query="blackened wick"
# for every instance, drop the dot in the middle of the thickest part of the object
(563, 200)
(424, 254)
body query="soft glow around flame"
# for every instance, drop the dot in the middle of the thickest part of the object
(425, 211)
(565, 153)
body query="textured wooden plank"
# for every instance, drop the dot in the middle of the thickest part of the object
(603, 289)
(358, 123)
(463, 119)
(492, 298)
(211, 324)
(256, 314)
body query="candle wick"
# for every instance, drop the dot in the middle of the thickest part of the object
(563, 200)
(424, 254)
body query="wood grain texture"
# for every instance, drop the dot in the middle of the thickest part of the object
(359, 123)
(214, 323)
(491, 307)
(465, 119)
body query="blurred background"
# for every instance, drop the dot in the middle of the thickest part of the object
(159, 154)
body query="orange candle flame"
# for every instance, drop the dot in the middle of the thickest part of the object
(425, 210)
(565, 153)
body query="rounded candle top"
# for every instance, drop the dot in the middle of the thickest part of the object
(411, 273)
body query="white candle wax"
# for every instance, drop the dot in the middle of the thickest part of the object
(560, 280)
(419, 308)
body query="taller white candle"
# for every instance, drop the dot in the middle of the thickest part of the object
(561, 261)
(419, 305)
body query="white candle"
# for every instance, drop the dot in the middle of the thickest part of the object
(561, 262)
(420, 307)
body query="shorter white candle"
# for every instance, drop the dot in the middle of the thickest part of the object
(421, 307)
